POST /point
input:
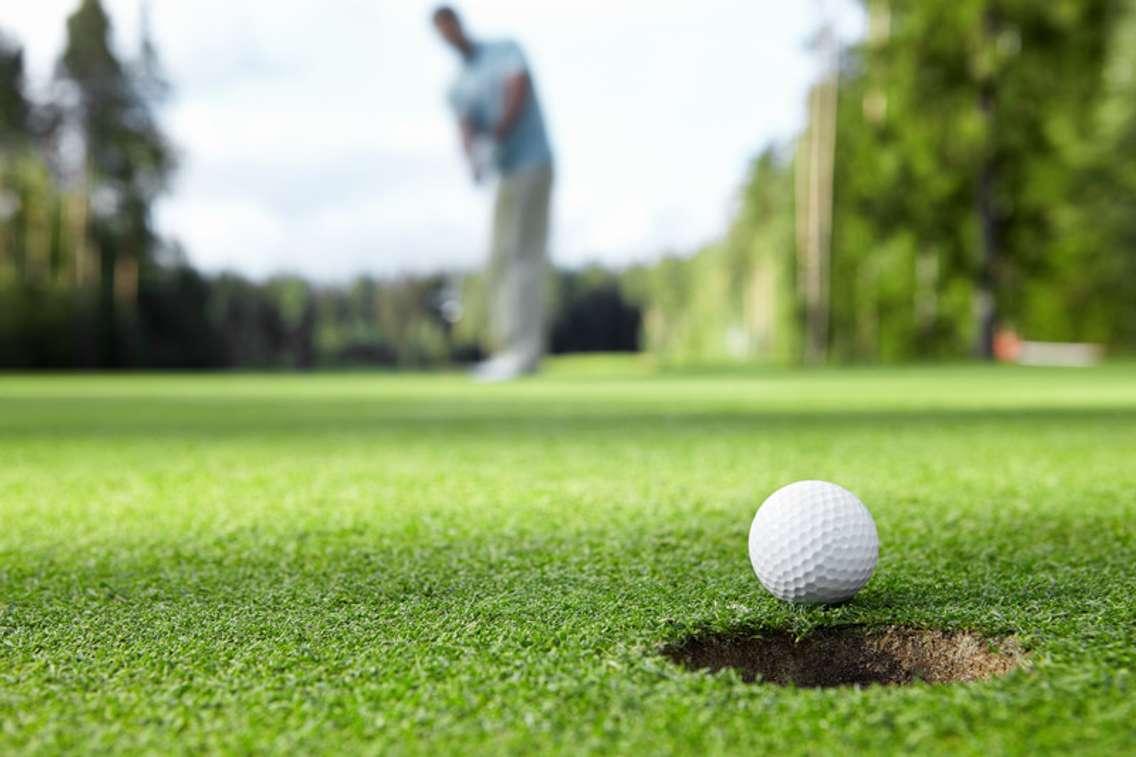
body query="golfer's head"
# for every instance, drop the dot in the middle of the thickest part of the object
(449, 25)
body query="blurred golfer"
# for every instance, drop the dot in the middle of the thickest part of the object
(503, 134)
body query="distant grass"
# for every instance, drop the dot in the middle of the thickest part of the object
(375, 563)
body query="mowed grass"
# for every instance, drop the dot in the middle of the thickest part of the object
(371, 563)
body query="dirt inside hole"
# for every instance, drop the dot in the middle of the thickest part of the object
(889, 656)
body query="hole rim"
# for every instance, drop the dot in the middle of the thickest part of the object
(889, 656)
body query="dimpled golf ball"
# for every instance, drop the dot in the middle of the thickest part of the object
(813, 542)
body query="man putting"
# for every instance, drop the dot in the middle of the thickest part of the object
(503, 132)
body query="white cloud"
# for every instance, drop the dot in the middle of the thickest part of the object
(232, 234)
(315, 137)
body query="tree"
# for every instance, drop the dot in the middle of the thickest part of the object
(1099, 271)
(126, 165)
(960, 130)
(15, 108)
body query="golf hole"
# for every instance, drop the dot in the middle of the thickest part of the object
(891, 656)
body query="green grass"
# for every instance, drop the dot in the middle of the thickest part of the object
(406, 563)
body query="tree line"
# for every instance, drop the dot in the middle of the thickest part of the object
(967, 166)
(86, 281)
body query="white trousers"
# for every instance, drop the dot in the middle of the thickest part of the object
(518, 264)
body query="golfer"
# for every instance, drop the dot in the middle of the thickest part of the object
(503, 133)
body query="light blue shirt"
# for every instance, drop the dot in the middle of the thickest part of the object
(478, 95)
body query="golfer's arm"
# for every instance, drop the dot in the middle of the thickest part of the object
(516, 90)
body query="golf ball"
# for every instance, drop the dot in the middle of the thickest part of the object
(813, 542)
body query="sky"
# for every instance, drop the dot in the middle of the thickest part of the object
(315, 139)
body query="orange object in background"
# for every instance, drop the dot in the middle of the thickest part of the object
(1007, 345)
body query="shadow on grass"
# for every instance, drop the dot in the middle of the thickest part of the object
(125, 418)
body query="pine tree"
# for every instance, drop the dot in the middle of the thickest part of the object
(15, 108)
(126, 165)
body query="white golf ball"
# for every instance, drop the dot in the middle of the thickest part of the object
(813, 542)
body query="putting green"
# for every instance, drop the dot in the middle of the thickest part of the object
(358, 563)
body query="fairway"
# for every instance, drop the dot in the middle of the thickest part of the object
(361, 563)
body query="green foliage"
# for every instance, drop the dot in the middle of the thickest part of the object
(414, 564)
(945, 96)
(76, 235)
(733, 300)
(15, 108)
(126, 165)
(1099, 266)
(984, 144)
(127, 153)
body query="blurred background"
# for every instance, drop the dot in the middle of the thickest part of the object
(277, 183)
